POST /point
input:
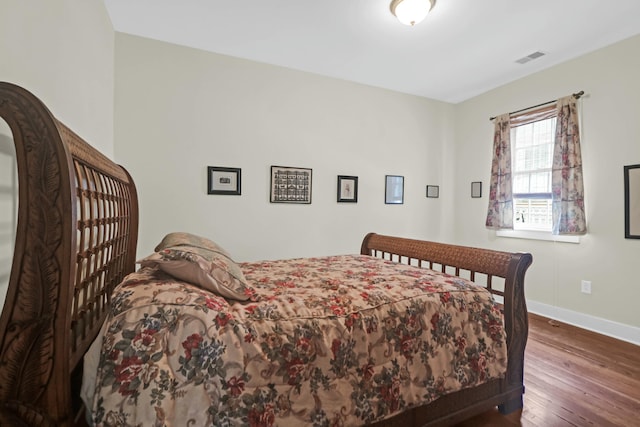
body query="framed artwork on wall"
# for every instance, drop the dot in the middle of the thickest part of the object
(221, 180)
(347, 189)
(632, 202)
(394, 190)
(290, 185)
(476, 189)
(433, 191)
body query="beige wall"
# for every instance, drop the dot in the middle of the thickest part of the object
(610, 139)
(179, 110)
(62, 52)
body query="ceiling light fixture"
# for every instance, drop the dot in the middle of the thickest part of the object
(411, 12)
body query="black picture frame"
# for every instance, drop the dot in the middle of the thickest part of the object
(223, 180)
(433, 191)
(476, 189)
(347, 189)
(632, 202)
(291, 185)
(394, 189)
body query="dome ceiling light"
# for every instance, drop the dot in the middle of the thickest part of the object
(411, 12)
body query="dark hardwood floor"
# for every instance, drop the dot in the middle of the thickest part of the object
(574, 377)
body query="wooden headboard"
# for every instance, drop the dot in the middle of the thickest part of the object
(58, 173)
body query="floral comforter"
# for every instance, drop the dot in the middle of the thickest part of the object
(331, 341)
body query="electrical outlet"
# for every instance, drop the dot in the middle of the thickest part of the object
(585, 287)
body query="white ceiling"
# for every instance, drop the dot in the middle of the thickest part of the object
(462, 49)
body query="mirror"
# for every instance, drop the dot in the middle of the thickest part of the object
(8, 206)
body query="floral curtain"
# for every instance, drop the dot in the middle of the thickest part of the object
(566, 176)
(500, 211)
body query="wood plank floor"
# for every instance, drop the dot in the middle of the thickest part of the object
(574, 377)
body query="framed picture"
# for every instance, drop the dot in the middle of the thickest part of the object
(290, 185)
(347, 188)
(223, 180)
(433, 191)
(476, 189)
(632, 202)
(394, 189)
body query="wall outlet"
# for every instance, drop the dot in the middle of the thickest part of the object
(585, 287)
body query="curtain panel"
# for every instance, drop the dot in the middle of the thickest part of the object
(500, 211)
(567, 186)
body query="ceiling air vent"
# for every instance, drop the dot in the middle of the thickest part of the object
(530, 57)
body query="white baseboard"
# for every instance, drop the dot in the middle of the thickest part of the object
(596, 324)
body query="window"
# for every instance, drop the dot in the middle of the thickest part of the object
(525, 173)
(532, 139)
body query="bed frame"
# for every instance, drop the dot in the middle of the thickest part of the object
(76, 240)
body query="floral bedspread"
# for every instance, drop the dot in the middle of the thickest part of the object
(330, 341)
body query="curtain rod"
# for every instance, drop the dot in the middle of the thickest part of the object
(575, 95)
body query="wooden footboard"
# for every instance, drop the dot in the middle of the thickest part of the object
(482, 266)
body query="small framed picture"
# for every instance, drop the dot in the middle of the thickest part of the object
(290, 185)
(394, 190)
(347, 188)
(223, 180)
(476, 189)
(632, 202)
(433, 191)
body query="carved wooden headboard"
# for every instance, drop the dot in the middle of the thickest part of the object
(76, 239)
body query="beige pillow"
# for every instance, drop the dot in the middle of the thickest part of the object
(172, 240)
(210, 270)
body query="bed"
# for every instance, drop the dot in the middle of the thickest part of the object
(74, 265)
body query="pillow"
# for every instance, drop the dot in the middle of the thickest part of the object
(187, 239)
(208, 269)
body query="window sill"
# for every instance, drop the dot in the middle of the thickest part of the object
(537, 235)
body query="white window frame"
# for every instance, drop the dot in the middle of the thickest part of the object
(531, 167)
(527, 232)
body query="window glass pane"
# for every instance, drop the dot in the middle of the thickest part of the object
(520, 183)
(532, 214)
(532, 146)
(540, 182)
(520, 159)
(544, 130)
